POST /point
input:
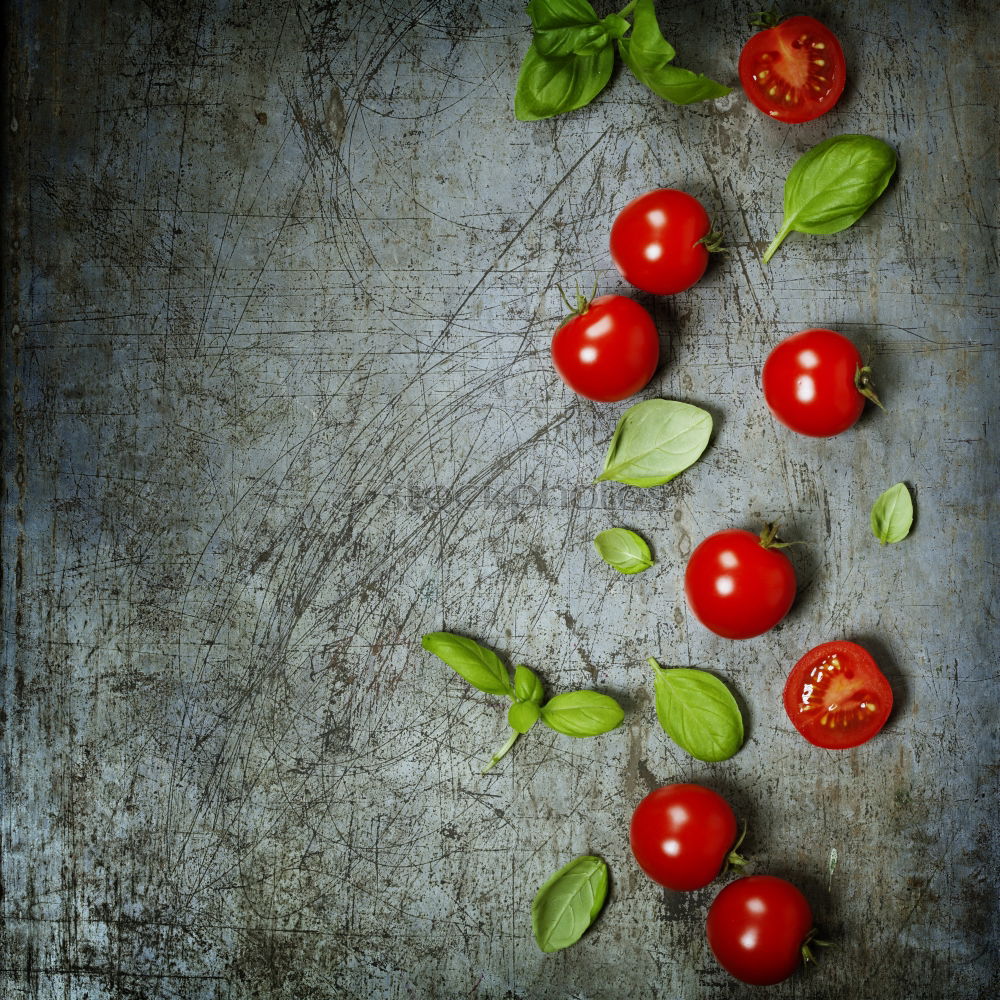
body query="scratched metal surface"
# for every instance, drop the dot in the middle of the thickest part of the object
(280, 284)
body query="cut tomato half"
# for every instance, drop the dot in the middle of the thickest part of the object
(795, 71)
(837, 697)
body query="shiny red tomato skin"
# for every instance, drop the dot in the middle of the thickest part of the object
(809, 383)
(836, 696)
(800, 59)
(609, 352)
(682, 834)
(756, 928)
(736, 587)
(655, 241)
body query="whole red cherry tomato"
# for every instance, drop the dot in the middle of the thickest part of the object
(608, 349)
(793, 71)
(739, 584)
(683, 835)
(836, 696)
(759, 928)
(660, 241)
(815, 383)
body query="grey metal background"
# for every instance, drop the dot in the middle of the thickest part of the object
(280, 286)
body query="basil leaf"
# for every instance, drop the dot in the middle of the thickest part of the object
(548, 15)
(522, 715)
(656, 440)
(480, 666)
(528, 685)
(562, 27)
(648, 54)
(547, 87)
(698, 712)
(582, 713)
(568, 903)
(623, 550)
(833, 185)
(892, 514)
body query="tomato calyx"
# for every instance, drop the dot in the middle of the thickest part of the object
(734, 860)
(712, 242)
(766, 18)
(863, 383)
(769, 538)
(811, 941)
(581, 306)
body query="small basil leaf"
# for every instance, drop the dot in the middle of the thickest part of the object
(568, 903)
(648, 54)
(582, 713)
(522, 715)
(480, 666)
(528, 685)
(892, 514)
(833, 184)
(547, 87)
(547, 15)
(656, 440)
(623, 550)
(698, 712)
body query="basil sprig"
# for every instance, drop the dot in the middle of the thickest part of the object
(655, 441)
(575, 713)
(571, 57)
(568, 903)
(697, 711)
(833, 184)
(892, 514)
(623, 550)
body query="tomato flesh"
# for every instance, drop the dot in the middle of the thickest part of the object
(795, 71)
(656, 241)
(836, 696)
(609, 351)
(681, 835)
(756, 928)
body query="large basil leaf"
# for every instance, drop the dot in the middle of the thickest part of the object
(656, 440)
(833, 185)
(568, 903)
(892, 514)
(582, 713)
(547, 87)
(624, 550)
(648, 55)
(698, 712)
(480, 666)
(528, 685)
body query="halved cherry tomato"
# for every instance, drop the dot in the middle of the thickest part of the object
(793, 71)
(836, 696)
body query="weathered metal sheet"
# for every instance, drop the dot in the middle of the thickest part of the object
(280, 285)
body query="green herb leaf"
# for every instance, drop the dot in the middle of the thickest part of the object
(648, 55)
(892, 514)
(522, 715)
(568, 903)
(582, 713)
(547, 87)
(480, 666)
(623, 550)
(698, 712)
(566, 27)
(528, 685)
(656, 440)
(833, 185)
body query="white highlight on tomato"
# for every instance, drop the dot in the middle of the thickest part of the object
(808, 358)
(588, 355)
(728, 559)
(725, 585)
(600, 328)
(671, 847)
(805, 388)
(653, 251)
(657, 217)
(749, 939)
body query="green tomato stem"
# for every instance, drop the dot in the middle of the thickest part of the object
(777, 241)
(628, 9)
(499, 755)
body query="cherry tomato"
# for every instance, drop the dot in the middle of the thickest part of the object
(738, 584)
(758, 929)
(682, 836)
(814, 383)
(658, 241)
(836, 696)
(793, 71)
(608, 350)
